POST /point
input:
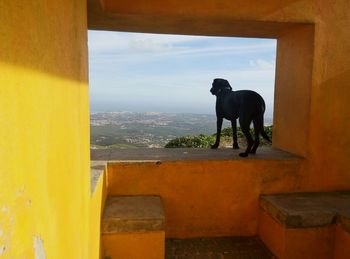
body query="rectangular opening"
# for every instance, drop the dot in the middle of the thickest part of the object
(147, 89)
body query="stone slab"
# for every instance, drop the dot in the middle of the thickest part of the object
(343, 219)
(171, 154)
(133, 214)
(96, 170)
(303, 210)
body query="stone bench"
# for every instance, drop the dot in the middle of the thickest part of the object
(133, 227)
(306, 225)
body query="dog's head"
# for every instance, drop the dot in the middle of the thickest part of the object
(220, 84)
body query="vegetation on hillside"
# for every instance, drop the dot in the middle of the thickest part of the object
(204, 141)
(192, 141)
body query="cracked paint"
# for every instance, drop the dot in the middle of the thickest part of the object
(39, 250)
(2, 249)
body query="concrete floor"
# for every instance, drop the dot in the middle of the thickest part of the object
(217, 248)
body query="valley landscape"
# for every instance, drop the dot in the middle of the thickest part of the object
(147, 129)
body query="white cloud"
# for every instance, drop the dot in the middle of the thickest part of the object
(101, 41)
(262, 64)
(114, 77)
(126, 44)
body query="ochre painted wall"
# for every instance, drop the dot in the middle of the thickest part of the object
(44, 129)
(311, 108)
(293, 89)
(44, 112)
(342, 243)
(206, 198)
(291, 243)
(141, 245)
(313, 59)
(329, 143)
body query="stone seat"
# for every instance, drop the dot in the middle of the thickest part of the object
(343, 219)
(302, 210)
(306, 225)
(133, 227)
(133, 214)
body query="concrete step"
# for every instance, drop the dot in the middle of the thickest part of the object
(306, 225)
(133, 227)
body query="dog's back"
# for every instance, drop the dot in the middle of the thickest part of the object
(232, 104)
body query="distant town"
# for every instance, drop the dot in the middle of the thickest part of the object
(147, 129)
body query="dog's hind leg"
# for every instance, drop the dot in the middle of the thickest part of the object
(234, 133)
(245, 126)
(258, 127)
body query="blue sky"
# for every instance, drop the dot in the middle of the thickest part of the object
(173, 73)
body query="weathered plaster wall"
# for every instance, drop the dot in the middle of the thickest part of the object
(44, 122)
(206, 198)
(293, 89)
(44, 129)
(98, 198)
(329, 143)
(312, 84)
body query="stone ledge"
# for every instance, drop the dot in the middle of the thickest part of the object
(190, 154)
(96, 170)
(133, 214)
(304, 210)
(343, 219)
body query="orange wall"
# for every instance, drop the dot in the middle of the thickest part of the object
(342, 243)
(44, 118)
(313, 74)
(206, 198)
(292, 91)
(290, 243)
(148, 245)
(329, 144)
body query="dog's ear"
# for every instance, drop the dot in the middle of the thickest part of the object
(215, 82)
(222, 83)
(227, 84)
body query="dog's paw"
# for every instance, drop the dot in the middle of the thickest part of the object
(243, 154)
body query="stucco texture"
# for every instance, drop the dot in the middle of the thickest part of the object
(44, 109)
(44, 129)
(313, 66)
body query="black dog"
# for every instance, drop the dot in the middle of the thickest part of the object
(246, 105)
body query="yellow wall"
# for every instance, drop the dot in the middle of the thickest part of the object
(44, 130)
(98, 198)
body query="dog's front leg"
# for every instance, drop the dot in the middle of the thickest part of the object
(234, 134)
(218, 132)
